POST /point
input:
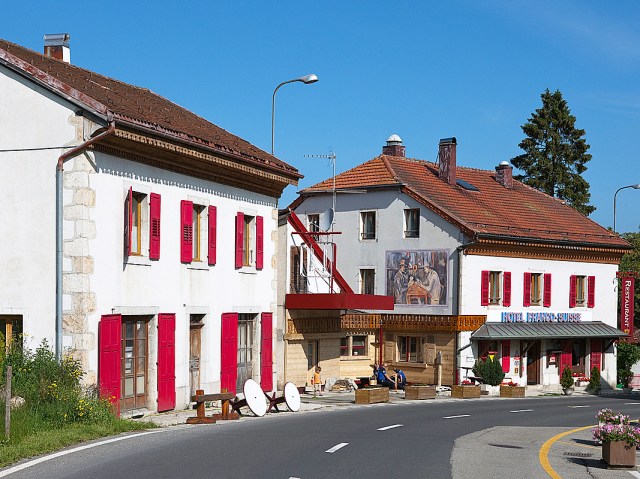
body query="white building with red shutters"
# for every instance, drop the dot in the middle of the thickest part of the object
(137, 236)
(478, 264)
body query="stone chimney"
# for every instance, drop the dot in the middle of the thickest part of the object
(56, 45)
(504, 175)
(394, 146)
(447, 160)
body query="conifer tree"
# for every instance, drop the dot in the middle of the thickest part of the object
(555, 154)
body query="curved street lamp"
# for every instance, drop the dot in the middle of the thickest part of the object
(637, 187)
(307, 79)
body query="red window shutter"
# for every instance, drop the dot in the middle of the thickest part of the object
(154, 220)
(484, 288)
(526, 297)
(596, 353)
(572, 291)
(109, 343)
(546, 297)
(506, 356)
(128, 221)
(565, 357)
(266, 351)
(259, 242)
(186, 231)
(591, 291)
(229, 352)
(213, 221)
(506, 293)
(166, 362)
(239, 240)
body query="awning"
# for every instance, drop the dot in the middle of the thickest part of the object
(592, 329)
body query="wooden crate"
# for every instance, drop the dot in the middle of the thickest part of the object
(512, 391)
(419, 392)
(465, 392)
(372, 395)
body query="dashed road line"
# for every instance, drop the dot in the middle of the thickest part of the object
(389, 427)
(336, 447)
(454, 417)
(522, 410)
(576, 407)
(632, 404)
(635, 473)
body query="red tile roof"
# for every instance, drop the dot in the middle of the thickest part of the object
(133, 105)
(522, 212)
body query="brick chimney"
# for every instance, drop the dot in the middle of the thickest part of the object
(56, 45)
(504, 175)
(447, 160)
(394, 146)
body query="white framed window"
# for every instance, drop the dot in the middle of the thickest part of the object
(353, 346)
(313, 223)
(536, 289)
(412, 223)
(495, 287)
(581, 290)
(367, 281)
(368, 225)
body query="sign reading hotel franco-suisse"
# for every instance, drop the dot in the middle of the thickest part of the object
(540, 317)
(626, 305)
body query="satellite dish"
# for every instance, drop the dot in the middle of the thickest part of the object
(292, 397)
(254, 396)
(326, 219)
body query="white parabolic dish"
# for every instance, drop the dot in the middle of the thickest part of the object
(256, 400)
(292, 397)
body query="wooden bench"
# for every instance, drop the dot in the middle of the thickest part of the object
(200, 398)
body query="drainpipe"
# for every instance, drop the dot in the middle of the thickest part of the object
(59, 174)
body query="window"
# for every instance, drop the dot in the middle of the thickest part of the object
(582, 291)
(198, 213)
(313, 223)
(134, 363)
(245, 349)
(408, 349)
(368, 225)
(249, 241)
(367, 281)
(11, 330)
(536, 296)
(412, 223)
(196, 231)
(495, 293)
(136, 223)
(353, 346)
(142, 224)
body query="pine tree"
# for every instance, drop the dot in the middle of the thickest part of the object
(555, 153)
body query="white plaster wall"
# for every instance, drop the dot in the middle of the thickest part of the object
(354, 254)
(167, 285)
(30, 117)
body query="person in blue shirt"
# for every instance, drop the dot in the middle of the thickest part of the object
(401, 379)
(383, 377)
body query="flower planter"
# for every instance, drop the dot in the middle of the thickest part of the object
(567, 391)
(619, 454)
(372, 395)
(465, 392)
(419, 392)
(512, 391)
(488, 390)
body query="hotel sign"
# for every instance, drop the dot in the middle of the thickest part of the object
(540, 317)
(626, 305)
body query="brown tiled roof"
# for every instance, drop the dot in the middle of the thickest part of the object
(521, 212)
(133, 105)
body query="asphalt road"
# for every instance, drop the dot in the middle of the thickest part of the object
(413, 439)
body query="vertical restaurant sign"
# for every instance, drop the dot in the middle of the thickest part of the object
(626, 305)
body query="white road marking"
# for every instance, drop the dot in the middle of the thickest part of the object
(632, 404)
(635, 473)
(336, 447)
(522, 410)
(453, 417)
(576, 407)
(11, 470)
(389, 427)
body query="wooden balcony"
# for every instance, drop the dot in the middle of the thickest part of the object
(411, 322)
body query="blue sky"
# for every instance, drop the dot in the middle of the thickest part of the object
(423, 70)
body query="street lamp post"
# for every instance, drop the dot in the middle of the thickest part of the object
(307, 79)
(637, 187)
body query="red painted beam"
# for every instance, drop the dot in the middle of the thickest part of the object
(339, 301)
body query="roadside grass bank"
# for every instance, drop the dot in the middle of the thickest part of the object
(51, 408)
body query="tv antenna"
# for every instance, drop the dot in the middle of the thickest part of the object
(332, 161)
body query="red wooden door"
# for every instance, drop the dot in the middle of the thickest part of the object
(109, 337)
(166, 362)
(506, 356)
(229, 352)
(566, 355)
(596, 353)
(266, 351)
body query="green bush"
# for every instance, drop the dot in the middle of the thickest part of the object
(628, 355)
(566, 379)
(490, 370)
(53, 390)
(594, 380)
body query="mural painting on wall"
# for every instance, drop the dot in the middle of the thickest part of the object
(417, 277)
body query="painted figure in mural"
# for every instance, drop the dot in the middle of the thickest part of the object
(431, 282)
(400, 284)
